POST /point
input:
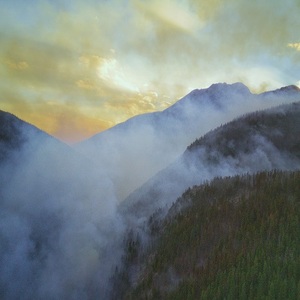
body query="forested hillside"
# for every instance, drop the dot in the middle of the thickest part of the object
(263, 140)
(280, 125)
(232, 238)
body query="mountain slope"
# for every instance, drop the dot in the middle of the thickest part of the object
(12, 135)
(145, 144)
(58, 222)
(259, 141)
(233, 238)
(61, 234)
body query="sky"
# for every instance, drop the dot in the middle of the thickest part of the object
(76, 68)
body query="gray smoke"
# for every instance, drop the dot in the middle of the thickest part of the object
(132, 152)
(259, 141)
(59, 230)
(61, 226)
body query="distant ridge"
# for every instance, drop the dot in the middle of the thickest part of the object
(147, 143)
(258, 141)
(63, 217)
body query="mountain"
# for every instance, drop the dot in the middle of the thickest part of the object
(58, 219)
(263, 140)
(62, 226)
(146, 144)
(12, 134)
(232, 238)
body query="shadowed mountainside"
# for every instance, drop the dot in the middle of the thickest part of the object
(58, 219)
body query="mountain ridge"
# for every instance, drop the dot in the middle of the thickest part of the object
(195, 94)
(251, 143)
(62, 225)
(156, 139)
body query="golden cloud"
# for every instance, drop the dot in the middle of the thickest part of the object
(66, 121)
(86, 84)
(161, 50)
(172, 14)
(295, 46)
(21, 65)
(72, 125)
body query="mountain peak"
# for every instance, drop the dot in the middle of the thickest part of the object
(286, 91)
(217, 88)
(216, 95)
(224, 85)
(224, 88)
(288, 88)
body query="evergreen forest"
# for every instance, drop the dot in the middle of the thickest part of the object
(231, 238)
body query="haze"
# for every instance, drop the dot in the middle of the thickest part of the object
(75, 68)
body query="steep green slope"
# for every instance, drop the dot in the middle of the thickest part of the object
(233, 238)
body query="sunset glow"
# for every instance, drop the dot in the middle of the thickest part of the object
(76, 68)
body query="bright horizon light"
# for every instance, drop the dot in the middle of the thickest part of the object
(124, 58)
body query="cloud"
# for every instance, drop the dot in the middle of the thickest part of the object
(295, 46)
(85, 84)
(112, 73)
(99, 51)
(245, 28)
(68, 121)
(72, 124)
(21, 65)
(173, 14)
